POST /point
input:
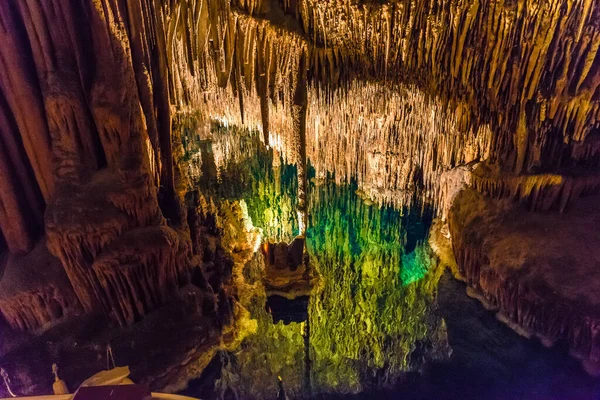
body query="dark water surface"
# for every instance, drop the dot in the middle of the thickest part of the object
(490, 361)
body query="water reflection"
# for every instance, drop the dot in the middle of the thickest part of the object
(370, 316)
(374, 316)
(360, 316)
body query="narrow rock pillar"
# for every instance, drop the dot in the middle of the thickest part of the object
(299, 111)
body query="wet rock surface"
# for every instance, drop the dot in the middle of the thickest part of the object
(540, 270)
(491, 361)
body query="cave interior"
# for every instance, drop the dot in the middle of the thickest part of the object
(302, 198)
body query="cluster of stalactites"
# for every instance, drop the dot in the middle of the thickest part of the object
(529, 68)
(230, 65)
(526, 109)
(395, 141)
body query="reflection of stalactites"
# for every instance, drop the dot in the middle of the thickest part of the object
(358, 248)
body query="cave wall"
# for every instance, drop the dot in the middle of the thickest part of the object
(538, 270)
(86, 149)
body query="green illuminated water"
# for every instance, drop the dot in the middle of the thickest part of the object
(371, 317)
(383, 320)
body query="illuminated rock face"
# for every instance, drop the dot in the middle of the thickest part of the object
(144, 267)
(84, 148)
(82, 224)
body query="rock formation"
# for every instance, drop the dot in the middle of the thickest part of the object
(94, 149)
(539, 270)
(35, 291)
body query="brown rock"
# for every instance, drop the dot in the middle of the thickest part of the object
(539, 269)
(35, 291)
(141, 269)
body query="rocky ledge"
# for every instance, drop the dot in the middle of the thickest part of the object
(540, 271)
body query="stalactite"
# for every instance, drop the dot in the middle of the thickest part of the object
(74, 139)
(21, 203)
(90, 83)
(429, 44)
(395, 146)
(171, 207)
(80, 225)
(141, 52)
(31, 310)
(238, 85)
(519, 143)
(25, 100)
(265, 53)
(262, 85)
(121, 133)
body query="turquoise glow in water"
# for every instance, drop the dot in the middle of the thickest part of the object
(380, 323)
(368, 311)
